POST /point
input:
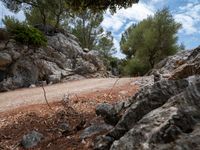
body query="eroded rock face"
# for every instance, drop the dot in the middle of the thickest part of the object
(62, 59)
(162, 116)
(177, 117)
(179, 66)
(5, 60)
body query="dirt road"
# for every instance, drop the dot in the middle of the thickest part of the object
(22, 97)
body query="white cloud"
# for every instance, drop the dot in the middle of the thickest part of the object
(188, 24)
(121, 20)
(5, 12)
(129, 24)
(117, 46)
(136, 13)
(189, 17)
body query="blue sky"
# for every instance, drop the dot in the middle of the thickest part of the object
(187, 12)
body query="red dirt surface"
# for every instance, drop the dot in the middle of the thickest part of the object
(78, 112)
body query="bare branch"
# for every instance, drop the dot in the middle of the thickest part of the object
(45, 96)
(110, 92)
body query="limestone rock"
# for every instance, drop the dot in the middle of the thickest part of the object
(63, 59)
(148, 99)
(64, 128)
(181, 65)
(177, 117)
(108, 113)
(162, 116)
(5, 60)
(95, 129)
(103, 142)
(31, 140)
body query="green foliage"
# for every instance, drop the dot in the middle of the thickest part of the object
(47, 12)
(74, 5)
(105, 45)
(181, 46)
(125, 44)
(23, 33)
(34, 17)
(135, 67)
(151, 40)
(86, 27)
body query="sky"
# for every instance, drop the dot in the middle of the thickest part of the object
(187, 12)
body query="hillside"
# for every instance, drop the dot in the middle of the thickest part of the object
(131, 113)
(61, 60)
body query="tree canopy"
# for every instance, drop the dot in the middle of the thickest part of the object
(152, 39)
(76, 5)
(86, 26)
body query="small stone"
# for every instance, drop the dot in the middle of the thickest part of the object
(95, 129)
(32, 86)
(103, 142)
(108, 112)
(64, 128)
(31, 140)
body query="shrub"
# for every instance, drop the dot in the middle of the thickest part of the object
(24, 33)
(135, 67)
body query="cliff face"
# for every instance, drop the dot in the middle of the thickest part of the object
(161, 116)
(62, 59)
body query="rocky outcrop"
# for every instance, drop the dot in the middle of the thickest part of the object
(165, 124)
(62, 59)
(179, 66)
(161, 116)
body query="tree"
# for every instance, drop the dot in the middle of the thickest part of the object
(153, 38)
(34, 17)
(57, 9)
(126, 46)
(75, 5)
(106, 46)
(86, 27)
(182, 46)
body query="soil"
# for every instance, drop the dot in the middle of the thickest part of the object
(77, 109)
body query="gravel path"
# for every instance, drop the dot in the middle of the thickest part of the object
(22, 97)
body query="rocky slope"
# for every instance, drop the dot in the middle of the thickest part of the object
(62, 59)
(161, 116)
(181, 65)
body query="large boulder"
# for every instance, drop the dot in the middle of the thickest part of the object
(166, 124)
(5, 60)
(160, 117)
(61, 60)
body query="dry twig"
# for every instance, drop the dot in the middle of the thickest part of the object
(110, 92)
(45, 96)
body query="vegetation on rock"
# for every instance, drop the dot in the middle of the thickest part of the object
(24, 33)
(75, 5)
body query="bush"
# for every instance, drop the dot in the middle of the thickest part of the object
(24, 33)
(135, 67)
